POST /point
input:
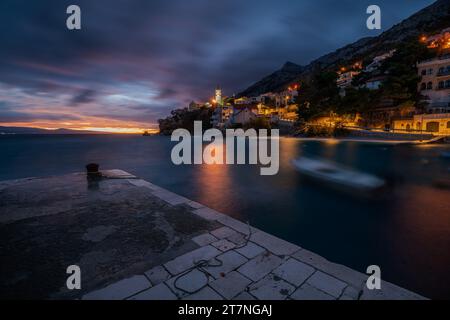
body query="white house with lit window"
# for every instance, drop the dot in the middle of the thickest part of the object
(378, 61)
(434, 85)
(436, 124)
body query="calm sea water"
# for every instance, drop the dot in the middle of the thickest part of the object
(406, 232)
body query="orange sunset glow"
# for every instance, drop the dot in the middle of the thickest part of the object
(110, 126)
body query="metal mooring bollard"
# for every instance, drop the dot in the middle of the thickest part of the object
(92, 170)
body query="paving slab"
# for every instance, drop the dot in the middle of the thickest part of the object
(350, 293)
(273, 244)
(188, 260)
(120, 290)
(157, 275)
(187, 284)
(294, 272)
(250, 250)
(194, 205)
(223, 232)
(170, 197)
(117, 174)
(260, 266)
(226, 263)
(238, 238)
(223, 245)
(208, 213)
(308, 292)
(343, 273)
(237, 225)
(244, 296)
(230, 285)
(204, 239)
(271, 287)
(204, 294)
(327, 283)
(159, 292)
(144, 184)
(389, 291)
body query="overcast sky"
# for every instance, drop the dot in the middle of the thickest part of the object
(135, 60)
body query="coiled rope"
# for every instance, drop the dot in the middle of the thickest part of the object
(202, 264)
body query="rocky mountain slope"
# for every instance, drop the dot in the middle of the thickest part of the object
(288, 73)
(428, 20)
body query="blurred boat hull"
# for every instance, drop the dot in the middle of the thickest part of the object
(338, 176)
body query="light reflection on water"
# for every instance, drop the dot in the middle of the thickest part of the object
(407, 232)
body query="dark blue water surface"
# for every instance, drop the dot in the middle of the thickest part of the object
(406, 231)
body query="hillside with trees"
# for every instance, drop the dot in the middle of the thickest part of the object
(184, 119)
(320, 95)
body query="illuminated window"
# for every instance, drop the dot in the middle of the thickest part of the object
(433, 126)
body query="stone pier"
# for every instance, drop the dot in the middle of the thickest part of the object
(135, 240)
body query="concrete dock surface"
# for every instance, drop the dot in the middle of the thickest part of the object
(135, 240)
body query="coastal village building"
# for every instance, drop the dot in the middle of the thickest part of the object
(374, 83)
(382, 116)
(286, 97)
(438, 124)
(280, 99)
(218, 97)
(434, 86)
(276, 107)
(378, 60)
(440, 40)
(243, 114)
(221, 116)
(249, 100)
(193, 105)
(345, 79)
(222, 112)
(435, 83)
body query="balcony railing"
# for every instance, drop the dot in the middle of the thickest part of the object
(443, 73)
(444, 57)
(429, 116)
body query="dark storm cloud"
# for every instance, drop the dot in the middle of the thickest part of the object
(8, 114)
(83, 96)
(173, 51)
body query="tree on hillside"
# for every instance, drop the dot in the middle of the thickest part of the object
(184, 118)
(358, 100)
(318, 96)
(401, 84)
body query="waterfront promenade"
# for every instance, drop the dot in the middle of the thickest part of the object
(135, 240)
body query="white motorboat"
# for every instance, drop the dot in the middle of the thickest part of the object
(337, 175)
